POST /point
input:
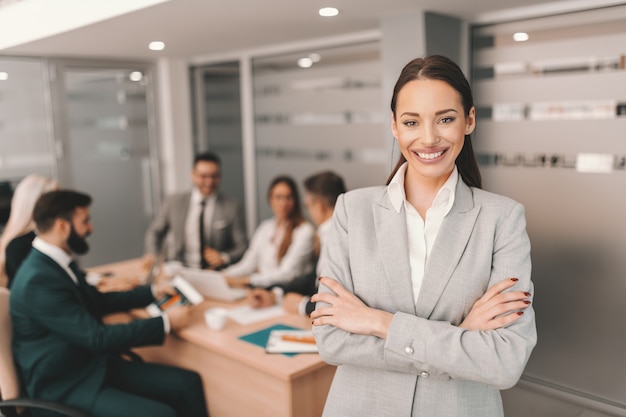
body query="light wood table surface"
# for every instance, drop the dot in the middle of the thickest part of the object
(239, 378)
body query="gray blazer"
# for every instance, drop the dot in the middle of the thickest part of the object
(225, 233)
(427, 366)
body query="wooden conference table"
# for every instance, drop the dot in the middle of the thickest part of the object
(239, 378)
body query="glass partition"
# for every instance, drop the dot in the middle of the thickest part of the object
(320, 110)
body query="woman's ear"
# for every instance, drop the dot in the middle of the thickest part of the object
(470, 121)
(394, 126)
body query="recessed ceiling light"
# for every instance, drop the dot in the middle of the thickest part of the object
(157, 46)
(315, 57)
(135, 76)
(4, 76)
(520, 37)
(328, 11)
(305, 62)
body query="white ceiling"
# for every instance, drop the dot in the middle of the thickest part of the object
(192, 28)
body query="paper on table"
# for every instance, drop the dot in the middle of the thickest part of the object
(248, 315)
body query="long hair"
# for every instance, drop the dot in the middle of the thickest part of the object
(294, 219)
(437, 67)
(21, 218)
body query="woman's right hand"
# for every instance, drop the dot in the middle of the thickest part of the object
(496, 308)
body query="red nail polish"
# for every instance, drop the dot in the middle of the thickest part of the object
(527, 294)
(526, 302)
(514, 279)
(519, 313)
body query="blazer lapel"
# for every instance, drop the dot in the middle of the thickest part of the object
(451, 241)
(179, 228)
(393, 245)
(61, 272)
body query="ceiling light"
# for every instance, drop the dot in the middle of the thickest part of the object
(520, 37)
(305, 62)
(328, 11)
(157, 46)
(135, 76)
(315, 58)
(4, 76)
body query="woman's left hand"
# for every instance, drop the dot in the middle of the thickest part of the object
(347, 312)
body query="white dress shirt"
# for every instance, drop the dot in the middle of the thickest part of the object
(260, 260)
(421, 233)
(57, 254)
(192, 226)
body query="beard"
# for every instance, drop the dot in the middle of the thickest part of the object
(77, 244)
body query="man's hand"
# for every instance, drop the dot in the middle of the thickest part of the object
(291, 302)
(162, 289)
(258, 298)
(179, 317)
(213, 257)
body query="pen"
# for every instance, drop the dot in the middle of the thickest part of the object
(300, 339)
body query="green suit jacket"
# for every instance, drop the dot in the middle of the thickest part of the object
(60, 344)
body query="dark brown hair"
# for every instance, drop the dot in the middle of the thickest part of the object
(59, 204)
(437, 67)
(294, 219)
(325, 185)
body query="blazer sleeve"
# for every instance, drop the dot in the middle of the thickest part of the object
(159, 227)
(112, 302)
(442, 350)
(59, 309)
(239, 236)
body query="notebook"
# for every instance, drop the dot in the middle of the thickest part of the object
(212, 284)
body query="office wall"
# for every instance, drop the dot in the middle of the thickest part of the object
(26, 144)
(550, 134)
(326, 117)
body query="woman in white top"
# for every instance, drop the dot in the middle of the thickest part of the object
(282, 247)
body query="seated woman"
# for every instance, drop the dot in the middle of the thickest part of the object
(15, 242)
(282, 247)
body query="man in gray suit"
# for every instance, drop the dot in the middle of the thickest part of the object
(202, 227)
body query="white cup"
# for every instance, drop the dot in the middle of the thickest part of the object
(216, 318)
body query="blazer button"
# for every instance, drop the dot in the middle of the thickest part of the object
(424, 374)
(408, 350)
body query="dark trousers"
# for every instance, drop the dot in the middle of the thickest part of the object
(135, 389)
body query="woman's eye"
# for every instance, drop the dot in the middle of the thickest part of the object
(410, 123)
(447, 120)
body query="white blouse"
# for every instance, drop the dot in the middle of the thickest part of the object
(260, 260)
(422, 233)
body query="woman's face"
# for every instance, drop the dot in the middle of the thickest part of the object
(430, 126)
(281, 201)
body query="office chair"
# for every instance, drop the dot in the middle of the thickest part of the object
(9, 381)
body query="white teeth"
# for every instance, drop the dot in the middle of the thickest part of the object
(429, 155)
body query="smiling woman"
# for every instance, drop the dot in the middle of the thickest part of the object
(426, 282)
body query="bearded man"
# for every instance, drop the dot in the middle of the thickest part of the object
(63, 350)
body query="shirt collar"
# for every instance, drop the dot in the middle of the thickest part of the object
(56, 253)
(197, 197)
(445, 195)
